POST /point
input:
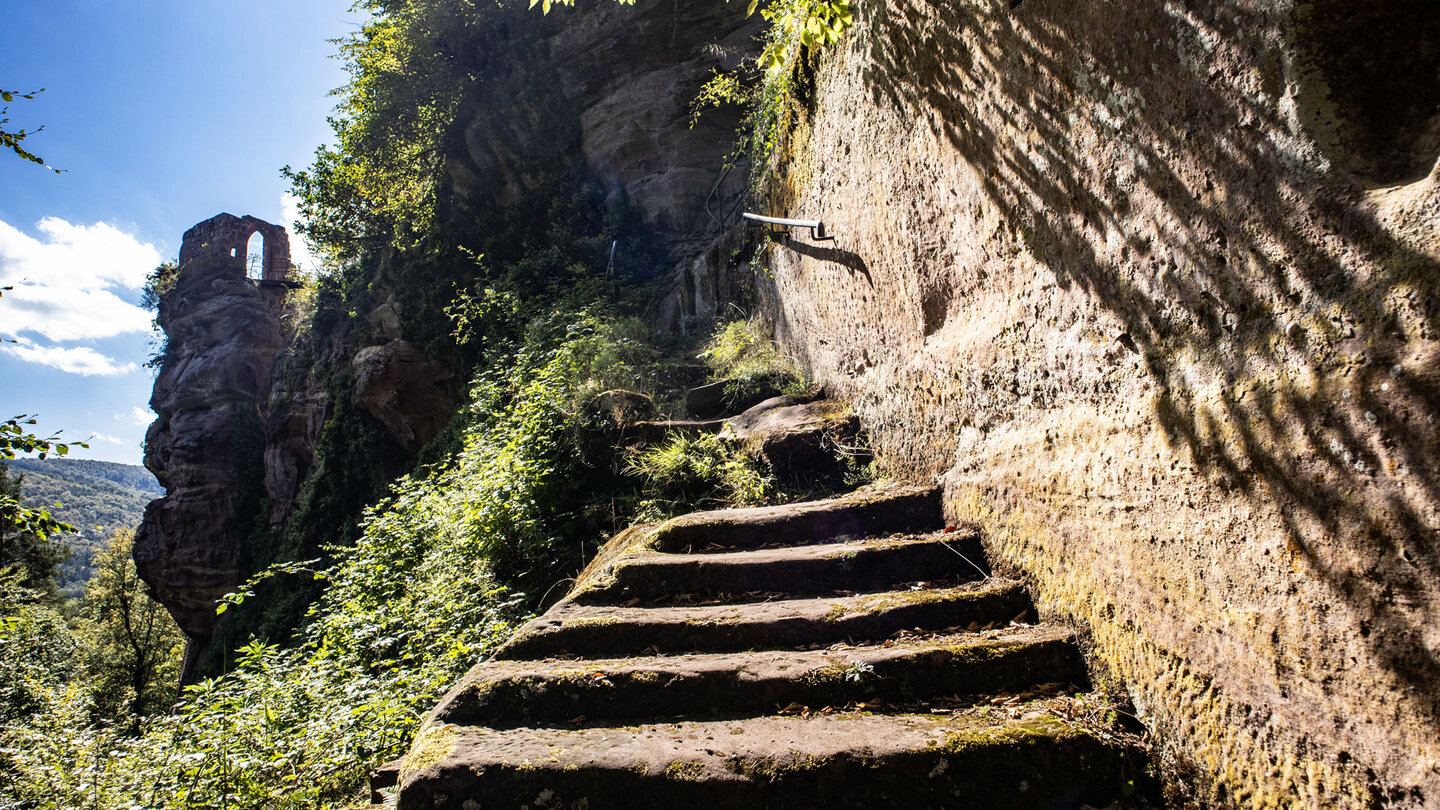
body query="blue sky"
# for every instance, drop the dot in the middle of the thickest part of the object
(162, 114)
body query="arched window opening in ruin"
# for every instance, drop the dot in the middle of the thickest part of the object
(227, 243)
(255, 256)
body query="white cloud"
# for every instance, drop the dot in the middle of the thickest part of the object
(141, 416)
(299, 251)
(101, 437)
(77, 360)
(75, 282)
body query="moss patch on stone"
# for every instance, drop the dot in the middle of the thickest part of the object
(432, 745)
(683, 771)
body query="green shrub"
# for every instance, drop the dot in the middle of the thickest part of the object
(770, 87)
(430, 586)
(740, 353)
(699, 471)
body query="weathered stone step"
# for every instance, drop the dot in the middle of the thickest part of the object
(503, 694)
(836, 760)
(873, 511)
(607, 631)
(866, 565)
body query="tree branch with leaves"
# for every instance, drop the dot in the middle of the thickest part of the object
(12, 139)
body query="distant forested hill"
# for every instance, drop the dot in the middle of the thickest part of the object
(97, 497)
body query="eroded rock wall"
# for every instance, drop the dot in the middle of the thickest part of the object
(1153, 288)
(207, 443)
(608, 89)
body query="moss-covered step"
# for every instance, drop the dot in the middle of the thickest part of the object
(608, 631)
(834, 761)
(870, 564)
(877, 510)
(504, 694)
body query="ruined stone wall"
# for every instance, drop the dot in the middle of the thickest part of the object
(1154, 289)
(223, 240)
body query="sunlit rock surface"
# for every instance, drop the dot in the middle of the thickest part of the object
(1153, 288)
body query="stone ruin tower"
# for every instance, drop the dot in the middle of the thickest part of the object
(223, 239)
(212, 401)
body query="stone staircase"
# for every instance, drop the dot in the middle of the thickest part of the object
(850, 652)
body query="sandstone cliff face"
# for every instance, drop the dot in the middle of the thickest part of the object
(206, 445)
(397, 384)
(610, 85)
(1153, 288)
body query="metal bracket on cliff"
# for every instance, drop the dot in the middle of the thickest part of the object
(817, 228)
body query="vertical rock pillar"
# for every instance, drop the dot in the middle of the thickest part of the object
(206, 447)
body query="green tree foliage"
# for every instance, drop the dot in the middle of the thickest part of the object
(410, 65)
(133, 647)
(38, 656)
(769, 87)
(749, 361)
(23, 536)
(16, 437)
(800, 24)
(704, 471)
(97, 497)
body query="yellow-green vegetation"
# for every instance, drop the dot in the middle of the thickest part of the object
(767, 88)
(705, 470)
(431, 746)
(1007, 735)
(773, 768)
(72, 689)
(744, 355)
(831, 674)
(592, 621)
(132, 646)
(685, 771)
(896, 599)
(599, 573)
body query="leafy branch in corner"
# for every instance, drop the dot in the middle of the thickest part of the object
(15, 437)
(11, 140)
(801, 24)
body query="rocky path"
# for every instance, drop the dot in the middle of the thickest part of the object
(842, 653)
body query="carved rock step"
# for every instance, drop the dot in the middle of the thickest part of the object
(871, 511)
(508, 694)
(605, 631)
(563, 734)
(838, 760)
(862, 565)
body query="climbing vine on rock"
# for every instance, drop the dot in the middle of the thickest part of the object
(767, 87)
(801, 24)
